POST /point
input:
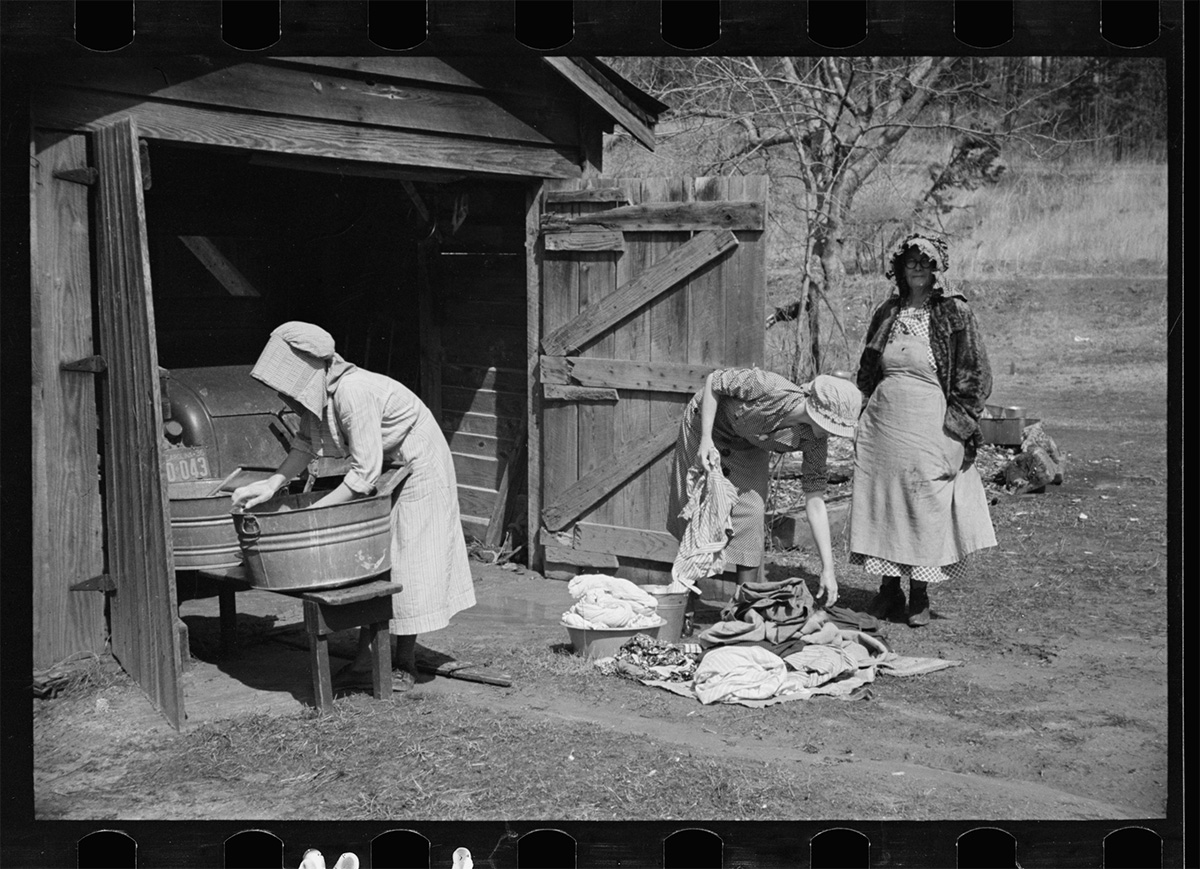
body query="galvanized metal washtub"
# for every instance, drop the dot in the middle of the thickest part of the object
(202, 533)
(289, 545)
(1004, 426)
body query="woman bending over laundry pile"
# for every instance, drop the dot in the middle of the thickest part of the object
(734, 423)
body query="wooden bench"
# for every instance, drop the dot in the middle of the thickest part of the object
(366, 605)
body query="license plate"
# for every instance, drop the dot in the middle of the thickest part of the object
(188, 463)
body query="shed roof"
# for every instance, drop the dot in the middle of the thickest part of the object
(452, 113)
(624, 102)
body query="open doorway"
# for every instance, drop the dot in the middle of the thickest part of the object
(419, 275)
(236, 248)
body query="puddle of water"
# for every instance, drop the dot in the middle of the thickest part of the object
(530, 605)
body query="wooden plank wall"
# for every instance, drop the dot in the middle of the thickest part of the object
(711, 319)
(480, 304)
(68, 531)
(466, 115)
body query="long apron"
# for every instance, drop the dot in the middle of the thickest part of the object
(429, 555)
(912, 505)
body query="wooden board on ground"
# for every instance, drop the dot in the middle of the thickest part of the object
(465, 671)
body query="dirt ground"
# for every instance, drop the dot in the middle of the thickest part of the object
(1059, 710)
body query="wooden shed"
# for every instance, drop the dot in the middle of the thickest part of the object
(445, 218)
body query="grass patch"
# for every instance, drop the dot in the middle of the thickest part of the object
(437, 757)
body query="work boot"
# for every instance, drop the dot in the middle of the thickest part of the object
(918, 607)
(888, 605)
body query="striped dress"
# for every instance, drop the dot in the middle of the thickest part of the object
(379, 419)
(749, 426)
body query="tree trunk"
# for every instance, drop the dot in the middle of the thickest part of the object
(827, 249)
(812, 307)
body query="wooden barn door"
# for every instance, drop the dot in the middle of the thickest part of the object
(647, 285)
(143, 608)
(68, 534)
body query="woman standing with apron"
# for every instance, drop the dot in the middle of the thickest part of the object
(919, 508)
(376, 420)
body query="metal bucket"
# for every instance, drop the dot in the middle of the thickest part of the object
(1004, 426)
(672, 607)
(202, 532)
(302, 547)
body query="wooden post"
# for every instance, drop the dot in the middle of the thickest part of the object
(381, 659)
(533, 395)
(318, 657)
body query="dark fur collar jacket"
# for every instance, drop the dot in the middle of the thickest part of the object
(959, 357)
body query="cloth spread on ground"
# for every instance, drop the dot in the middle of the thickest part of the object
(708, 514)
(739, 673)
(842, 667)
(774, 646)
(603, 601)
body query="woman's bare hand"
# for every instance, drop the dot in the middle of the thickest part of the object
(708, 455)
(253, 494)
(827, 592)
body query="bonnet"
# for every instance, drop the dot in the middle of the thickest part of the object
(834, 404)
(294, 363)
(934, 248)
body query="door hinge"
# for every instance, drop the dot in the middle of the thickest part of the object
(87, 175)
(89, 364)
(103, 582)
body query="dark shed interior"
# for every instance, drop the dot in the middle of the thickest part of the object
(418, 278)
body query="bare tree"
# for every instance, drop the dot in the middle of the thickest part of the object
(827, 122)
(824, 125)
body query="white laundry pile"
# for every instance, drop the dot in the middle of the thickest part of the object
(603, 601)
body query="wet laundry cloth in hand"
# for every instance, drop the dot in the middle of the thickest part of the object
(709, 528)
(603, 601)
